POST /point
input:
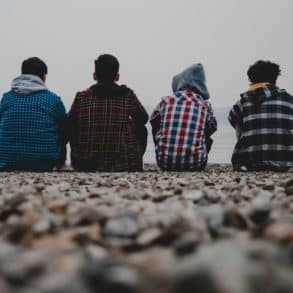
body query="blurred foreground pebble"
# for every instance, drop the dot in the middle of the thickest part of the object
(215, 232)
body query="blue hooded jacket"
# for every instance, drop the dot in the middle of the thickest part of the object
(31, 122)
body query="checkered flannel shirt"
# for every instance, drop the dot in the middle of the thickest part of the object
(185, 120)
(32, 131)
(102, 131)
(264, 118)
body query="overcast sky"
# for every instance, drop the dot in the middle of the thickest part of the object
(153, 39)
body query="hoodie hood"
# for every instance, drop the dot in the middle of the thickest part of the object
(109, 90)
(27, 84)
(193, 78)
(262, 94)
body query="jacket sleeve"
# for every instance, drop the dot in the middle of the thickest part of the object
(73, 119)
(156, 119)
(1, 107)
(62, 121)
(138, 113)
(211, 124)
(236, 115)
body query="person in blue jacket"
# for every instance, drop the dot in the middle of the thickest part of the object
(32, 123)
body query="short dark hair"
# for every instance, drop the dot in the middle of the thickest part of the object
(264, 71)
(34, 66)
(106, 67)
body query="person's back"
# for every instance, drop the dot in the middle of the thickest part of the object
(183, 123)
(32, 123)
(263, 118)
(104, 120)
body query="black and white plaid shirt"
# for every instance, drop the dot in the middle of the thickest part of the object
(263, 119)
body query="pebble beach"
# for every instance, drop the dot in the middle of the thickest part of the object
(216, 231)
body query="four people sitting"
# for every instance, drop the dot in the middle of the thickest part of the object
(106, 123)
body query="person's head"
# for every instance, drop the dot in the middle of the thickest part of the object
(264, 71)
(193, 78)
(35, 66)
(106, 68)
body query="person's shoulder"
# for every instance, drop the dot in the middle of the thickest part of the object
(244, 98)
(84, 94)
(207, 103)
(170, 99)
(285, 99)
(285, 93)
(126, 90)
(9, 97)
(8, 94)
(50, 96)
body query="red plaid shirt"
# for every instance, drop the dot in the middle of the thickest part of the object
(102, 121)
(181, 125)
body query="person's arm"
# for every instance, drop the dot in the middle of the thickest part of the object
(1, 102)
(211, 125)
(236, 116)
(72, 119)
(156, 119)
(62, 121)
(138, 113)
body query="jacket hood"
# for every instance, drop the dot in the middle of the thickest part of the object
(193, 78)
(27, 84)
(109, 90)
(262, 94)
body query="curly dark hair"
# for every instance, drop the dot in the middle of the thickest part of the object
(264, 71)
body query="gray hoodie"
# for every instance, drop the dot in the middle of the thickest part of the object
(27, 84)
(193, 78)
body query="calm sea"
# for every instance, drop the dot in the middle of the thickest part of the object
(224, 140)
